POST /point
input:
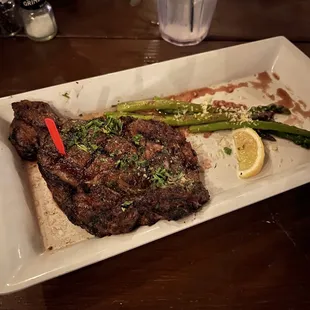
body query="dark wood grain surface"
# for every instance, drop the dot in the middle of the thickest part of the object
(254, 258)
(233, 19)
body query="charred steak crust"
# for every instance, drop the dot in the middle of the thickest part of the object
(118, 173)
(27, 125)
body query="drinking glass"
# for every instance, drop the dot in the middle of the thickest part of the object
(9, 19)
(185, 22)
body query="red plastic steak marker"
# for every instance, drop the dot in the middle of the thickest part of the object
(51, 126)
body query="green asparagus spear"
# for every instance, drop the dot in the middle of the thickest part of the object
(297, 139)
(274, 126)
(265, 113)
(168, 106)
(169, 112)
(279, 109)
(158, 104)
(188, 120)
(180, 120)
(135, 115)
(204, 109)
(265, 135)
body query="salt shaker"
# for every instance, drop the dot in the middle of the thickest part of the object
(39, 20)
(9, 23)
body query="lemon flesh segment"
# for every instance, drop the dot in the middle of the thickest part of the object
(250, 152)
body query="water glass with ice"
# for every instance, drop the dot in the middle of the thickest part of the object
(185, 22)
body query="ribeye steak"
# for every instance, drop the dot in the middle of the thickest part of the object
(117, 174)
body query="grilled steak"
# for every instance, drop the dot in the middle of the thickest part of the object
(117, 174)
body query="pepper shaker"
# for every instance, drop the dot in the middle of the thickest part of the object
(9, 23)
(39, 20)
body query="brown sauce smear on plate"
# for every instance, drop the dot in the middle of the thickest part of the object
(229, 88)
(287, 101)
(207, 134)
(298, 108)
(89, 116)
(263, 83)
(293, 120)
(192, 94)
(276, 76)
(228, 104)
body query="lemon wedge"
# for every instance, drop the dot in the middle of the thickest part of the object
(250, 152)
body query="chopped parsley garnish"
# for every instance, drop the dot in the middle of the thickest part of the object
(83, 135)
(136, 139)
(172, 179)
(82, 147)
(125, 205)
(163, 177)
(227, 150)
(94, 124)
(94, 147)
(143, 163)
(160, 177)
(113, 126)
(121, 164)
(66, 95)
(134, 157)
(126, 161)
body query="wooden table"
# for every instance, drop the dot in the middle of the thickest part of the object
(255, 258)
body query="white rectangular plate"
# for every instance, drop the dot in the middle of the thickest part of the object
(23, 261)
